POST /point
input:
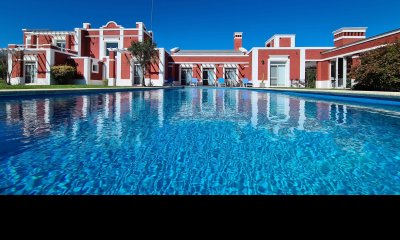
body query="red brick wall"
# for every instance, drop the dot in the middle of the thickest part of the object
(250, 69)
(99, 75)
(242, 71)
(220, 71)
(125, 66)
(42, 65)
(111, 32)
(237, 43)
(84, 43)
(323, 70)
(312, 54)
(17, 66)
(285, 42)
(210, 59)
(44, 39)
(345, 41)
(362, 46)
(111, 25)
(60, 58)
(128, 40)
(92, 44)
(197, 71)
(80, 68)
(294, 56)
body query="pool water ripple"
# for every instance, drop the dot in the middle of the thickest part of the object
(197, 141)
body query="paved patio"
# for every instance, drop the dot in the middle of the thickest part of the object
(341, 92)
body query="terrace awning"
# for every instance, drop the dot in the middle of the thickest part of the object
(230, 65)
(205, 65)
(186, 65)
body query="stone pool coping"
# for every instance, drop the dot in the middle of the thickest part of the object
(344, 93)
(333, 92)
(30, 92)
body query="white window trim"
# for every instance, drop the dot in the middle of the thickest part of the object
(180, 72)
(114, 40)
(285, 61)
(35, 77)
(214, 71)
(237, 72)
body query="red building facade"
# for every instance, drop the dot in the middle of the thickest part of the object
(101, 53)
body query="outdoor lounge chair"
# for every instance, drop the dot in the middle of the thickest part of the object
(221, 81)
(169, 82)
(194, 82)
(246, 82)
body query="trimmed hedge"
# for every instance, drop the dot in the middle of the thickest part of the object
(63, 74)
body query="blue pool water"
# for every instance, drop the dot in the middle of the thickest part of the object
(198, 141)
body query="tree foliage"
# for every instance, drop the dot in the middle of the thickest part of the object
(379, 69)
(7, 69)
(144, 54)
(63, 74)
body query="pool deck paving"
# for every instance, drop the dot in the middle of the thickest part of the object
(342, 92)
(334, 92)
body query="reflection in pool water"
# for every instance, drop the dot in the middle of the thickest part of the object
(197, 141)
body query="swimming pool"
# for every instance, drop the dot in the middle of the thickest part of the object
(198, 141)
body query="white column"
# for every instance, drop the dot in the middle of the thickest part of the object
(88, 68)
(118, 74)
(302, 64)
(49, 63)
(254, 70)
(337, 72)
(344, 72)
(161, 66)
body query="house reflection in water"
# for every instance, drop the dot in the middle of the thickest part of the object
(275, 112)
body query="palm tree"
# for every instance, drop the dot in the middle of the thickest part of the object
(145, 54)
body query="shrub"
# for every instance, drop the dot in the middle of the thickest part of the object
(379, 69)
(63, 74)
(105, 82)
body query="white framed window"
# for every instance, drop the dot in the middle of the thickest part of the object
(230, 73)
(61, 44)
(95, 67)
(110, 45)
(278, 74)
(28, 40)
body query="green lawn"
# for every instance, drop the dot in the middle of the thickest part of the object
(3, 85)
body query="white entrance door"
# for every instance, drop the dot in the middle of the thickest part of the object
(278, 74)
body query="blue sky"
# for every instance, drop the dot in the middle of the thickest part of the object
(207, 24)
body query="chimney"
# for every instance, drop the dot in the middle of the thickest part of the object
(238, 40)
(86, 25)
(348, 35)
